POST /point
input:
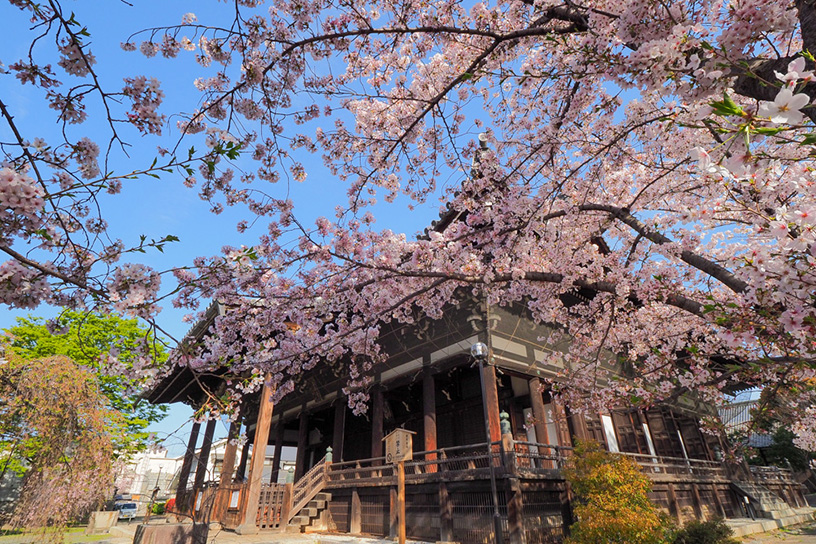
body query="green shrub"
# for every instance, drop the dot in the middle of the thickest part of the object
(612, 502)
(158, 508)
(705, 532)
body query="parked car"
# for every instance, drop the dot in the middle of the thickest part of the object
(127, 510)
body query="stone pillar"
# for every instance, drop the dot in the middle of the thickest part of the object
(303, 443)
(339, 431)
(204, 455)
(276, 457)
(186, 465)
(429, 415)
(253, 488)
(377, 413)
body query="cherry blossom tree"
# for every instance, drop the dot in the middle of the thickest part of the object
(58, 434)
(652, 157)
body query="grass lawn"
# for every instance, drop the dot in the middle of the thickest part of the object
(74, 535)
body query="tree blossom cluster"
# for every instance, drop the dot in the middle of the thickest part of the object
(649, 162)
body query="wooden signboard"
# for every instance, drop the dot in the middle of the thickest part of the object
(398, 446)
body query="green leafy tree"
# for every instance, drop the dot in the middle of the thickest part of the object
(612, 500)
(782, 452)
(118, 351)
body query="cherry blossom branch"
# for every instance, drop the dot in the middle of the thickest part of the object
(51, 272)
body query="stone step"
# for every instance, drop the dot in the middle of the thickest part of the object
(776, 514)
(314, 503)
(300, 520)
(761, 497)
(743, 527)
(323, 496)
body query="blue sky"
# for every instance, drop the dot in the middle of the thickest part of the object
(148, 206)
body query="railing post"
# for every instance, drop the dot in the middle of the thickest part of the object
(286, 507)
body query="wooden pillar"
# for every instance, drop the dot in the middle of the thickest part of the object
(204, 455)
(240, 472)
(579, 426)
(377, 412)
(276, 458)
(227, 467)
(287, 501)
(515, 512)
(566, 508)
(492, 401)
(401, 502)
(445, 514)
(303, 443)
(253, 488)
(338, 440)
(697, 502)
(356, 519)
(186, 466)
(429, 417)
(674, 507)
(561, 425)
(393, 513)
(718, 502)
(540, 418)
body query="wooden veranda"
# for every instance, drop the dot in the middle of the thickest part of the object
(448, 494)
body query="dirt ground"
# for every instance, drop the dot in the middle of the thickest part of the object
(801, 534)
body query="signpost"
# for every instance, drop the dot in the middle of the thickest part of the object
(398, 449)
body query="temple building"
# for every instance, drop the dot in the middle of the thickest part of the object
(488, 439)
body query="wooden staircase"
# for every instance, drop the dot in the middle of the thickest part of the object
(306, 505)
(314, 516)
(766, 504)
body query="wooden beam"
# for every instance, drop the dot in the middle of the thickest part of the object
(377, 413)
(186, 466)
(253, 488)
(429, 417)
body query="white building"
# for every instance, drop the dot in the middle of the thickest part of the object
(153, 469)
